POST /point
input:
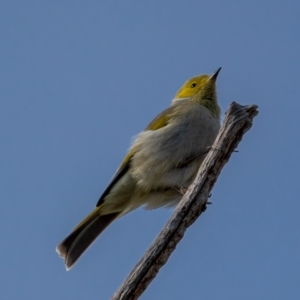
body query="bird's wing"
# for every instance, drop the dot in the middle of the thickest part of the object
(158, 122)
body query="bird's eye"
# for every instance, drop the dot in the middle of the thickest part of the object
(193, 85)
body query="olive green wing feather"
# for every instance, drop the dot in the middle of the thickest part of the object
(158, 122)
(161, 120)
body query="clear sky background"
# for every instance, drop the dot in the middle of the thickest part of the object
(78, 79)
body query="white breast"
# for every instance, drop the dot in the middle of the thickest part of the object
(160, 151)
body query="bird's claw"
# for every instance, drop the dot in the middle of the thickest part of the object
(181, 190)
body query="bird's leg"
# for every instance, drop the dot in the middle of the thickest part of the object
(192, 158)
(181, 190)
(200, 154)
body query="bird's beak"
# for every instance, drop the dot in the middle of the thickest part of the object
(214, 76)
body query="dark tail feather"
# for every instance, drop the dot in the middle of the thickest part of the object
(73, 246)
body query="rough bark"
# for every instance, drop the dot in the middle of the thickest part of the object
(238, 120)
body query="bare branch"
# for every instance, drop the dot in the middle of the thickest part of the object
(238, 120)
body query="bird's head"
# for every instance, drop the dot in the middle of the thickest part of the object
(202, 89)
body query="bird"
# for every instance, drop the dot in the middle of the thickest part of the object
(160, 165)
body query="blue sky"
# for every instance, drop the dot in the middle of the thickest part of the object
(79, 79)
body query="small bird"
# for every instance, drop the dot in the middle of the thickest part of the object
(161, 163)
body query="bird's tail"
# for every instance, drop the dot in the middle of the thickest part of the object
(73, 246)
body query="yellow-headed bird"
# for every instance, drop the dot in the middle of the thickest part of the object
(161, 163)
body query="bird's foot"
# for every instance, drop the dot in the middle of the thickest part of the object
(181, 190)
(211, 148)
